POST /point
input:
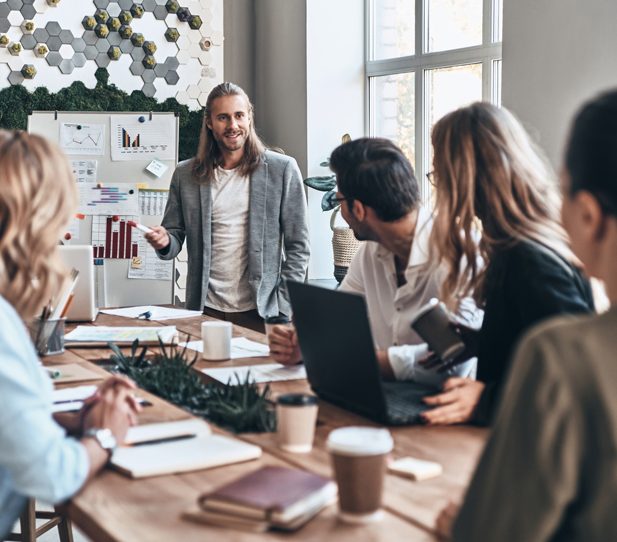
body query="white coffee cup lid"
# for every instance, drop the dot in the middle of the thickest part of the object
(360, 441)
(216, 323)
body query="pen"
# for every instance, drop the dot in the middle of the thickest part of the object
(53, 373)
(147, 315)
(139, 226)
(164, 439)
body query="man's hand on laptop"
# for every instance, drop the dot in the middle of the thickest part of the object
(158, 237)
(283, 343)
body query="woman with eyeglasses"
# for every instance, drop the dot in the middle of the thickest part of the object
(549, 471)
(37, 459)
(492, 184)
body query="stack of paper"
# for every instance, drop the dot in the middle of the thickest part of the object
(269, 372)
(156, 313)
(101, 335)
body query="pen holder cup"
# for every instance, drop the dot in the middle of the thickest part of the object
(48, 336)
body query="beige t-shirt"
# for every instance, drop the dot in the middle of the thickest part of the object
(228, 286)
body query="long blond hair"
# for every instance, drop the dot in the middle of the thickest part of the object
(493, 184)
(37, 197)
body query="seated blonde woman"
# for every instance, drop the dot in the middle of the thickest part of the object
(37, 458)
(491, 180)
(549, 471)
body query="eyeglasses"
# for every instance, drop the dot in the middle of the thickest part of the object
(431, 178)
(334, 200)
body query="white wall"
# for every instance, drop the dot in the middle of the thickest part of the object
(556, 55)
(335, 103)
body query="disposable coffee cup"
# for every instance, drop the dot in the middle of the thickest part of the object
(296, 415)
(271, 321)
(216, 337)
(48, 336)
(359, 458)
(433, 324)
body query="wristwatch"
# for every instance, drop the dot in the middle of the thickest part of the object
(104, 437)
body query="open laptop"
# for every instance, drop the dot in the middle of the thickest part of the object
(81, 257)
(339, 355)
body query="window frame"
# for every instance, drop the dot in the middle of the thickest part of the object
(489, 54)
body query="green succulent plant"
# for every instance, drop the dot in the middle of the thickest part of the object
(101, 30)
(15, 48)
(89, 23)
(172, 6)
(172, 34)
(149, 62)
(28, 71)
(195, 22)
(149, 47)
(125, 31)
(4, 40)
(170, 375)
(114, 24)
(114, 52)
(137, 39)
(137, 11)
(101, 15)
(125, 17)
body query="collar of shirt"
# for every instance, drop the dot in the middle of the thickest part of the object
(419, 254)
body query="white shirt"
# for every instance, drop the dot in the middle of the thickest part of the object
(228, 285)
(391, 309)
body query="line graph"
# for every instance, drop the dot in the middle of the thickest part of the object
(88, 139)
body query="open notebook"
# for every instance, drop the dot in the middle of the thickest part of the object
(182, 446)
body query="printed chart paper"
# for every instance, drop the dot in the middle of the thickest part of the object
(114, 238)
(108, 200)
(84, 170)
(152, 201)
(146, 264)
(134, 140)
(86, 139)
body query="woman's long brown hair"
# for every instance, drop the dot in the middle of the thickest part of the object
(493, 189)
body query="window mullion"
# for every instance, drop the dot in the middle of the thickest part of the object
(420, 124)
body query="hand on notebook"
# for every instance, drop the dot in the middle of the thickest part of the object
(283, 343)
(158, 238)
(455, 404)
(113, 407)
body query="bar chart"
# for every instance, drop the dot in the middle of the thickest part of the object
(112, 237)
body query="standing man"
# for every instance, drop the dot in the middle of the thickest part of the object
(243, 213)
(380, 200)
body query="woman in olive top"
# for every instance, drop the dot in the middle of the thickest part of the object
(549, 471)
(491, 184)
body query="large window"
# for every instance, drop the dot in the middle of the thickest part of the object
(426, 58)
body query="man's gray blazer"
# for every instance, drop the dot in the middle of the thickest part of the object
(277, 220)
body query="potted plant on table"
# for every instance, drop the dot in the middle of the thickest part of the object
(344, 242)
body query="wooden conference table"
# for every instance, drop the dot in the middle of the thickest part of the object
(115, 508)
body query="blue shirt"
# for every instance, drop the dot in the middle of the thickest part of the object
(37, 459)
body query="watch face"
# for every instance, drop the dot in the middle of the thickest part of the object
(104, 437)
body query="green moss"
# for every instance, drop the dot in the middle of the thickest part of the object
(16, 103)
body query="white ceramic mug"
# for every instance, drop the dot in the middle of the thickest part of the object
(216, 337)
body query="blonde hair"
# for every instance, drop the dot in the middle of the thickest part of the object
(492, 184)
(37, 198)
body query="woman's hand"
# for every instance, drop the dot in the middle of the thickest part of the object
(456, 404)
(114, 409)
(283, 343)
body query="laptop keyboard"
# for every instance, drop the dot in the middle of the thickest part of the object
(404, 402)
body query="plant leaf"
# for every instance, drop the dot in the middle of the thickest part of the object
(329, 202)
(323, 183)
